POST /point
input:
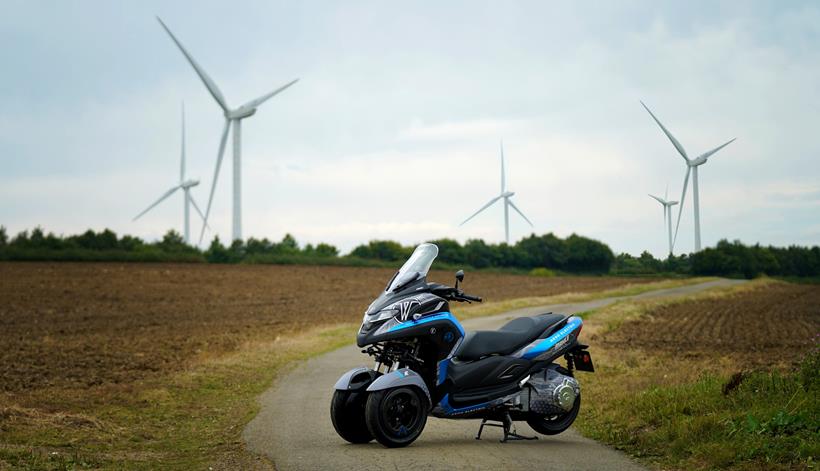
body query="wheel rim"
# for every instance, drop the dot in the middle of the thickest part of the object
(401, 412)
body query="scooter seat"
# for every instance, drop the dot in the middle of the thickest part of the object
(509, 338)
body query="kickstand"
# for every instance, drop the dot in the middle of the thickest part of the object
(506, 424)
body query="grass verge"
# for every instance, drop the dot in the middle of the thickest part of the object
(675, 412)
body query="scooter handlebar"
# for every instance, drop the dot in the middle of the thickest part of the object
(471, 298)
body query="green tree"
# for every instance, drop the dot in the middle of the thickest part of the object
(478, 254)
(326, 251)
(4, 238)
(172, 242)
(450, 251)
(587, 255)
(218, 253)
(381, 250)
(288, 245)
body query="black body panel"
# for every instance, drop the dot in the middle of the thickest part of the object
(488, 371)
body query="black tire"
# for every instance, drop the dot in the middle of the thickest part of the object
(555, 424)
(397, 416)
(347, 415)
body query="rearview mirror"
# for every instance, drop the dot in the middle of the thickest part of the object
(459, 277)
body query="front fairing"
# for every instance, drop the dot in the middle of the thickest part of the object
(392, 309)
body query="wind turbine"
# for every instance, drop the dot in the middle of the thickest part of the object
(667, 208)
(186, 186)
(505, 195)
(691, 167)
(233, 117)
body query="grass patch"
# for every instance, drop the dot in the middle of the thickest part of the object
(769, 420)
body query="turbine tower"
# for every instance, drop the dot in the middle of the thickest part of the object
(667, 208)
(505, 195)
(186, 186)
(233, 117)
(691, 167)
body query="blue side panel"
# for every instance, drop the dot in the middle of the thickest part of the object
(442, 370)
(436, 317)
(450, 410)
(541, 346)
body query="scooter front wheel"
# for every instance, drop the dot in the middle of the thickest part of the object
(555, 424)
(397, 416)
(347, 415)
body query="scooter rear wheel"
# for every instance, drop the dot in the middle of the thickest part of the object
(347, 415)
(555, 424)
(397, 416)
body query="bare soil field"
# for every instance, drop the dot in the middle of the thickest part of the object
(79, 325)
(778, 324)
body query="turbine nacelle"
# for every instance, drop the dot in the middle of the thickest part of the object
(699, 161)
(508, 194)
(188, 184)
(240, 113)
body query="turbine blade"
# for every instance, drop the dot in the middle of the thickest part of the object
(209, 83)
(264, 98)
(519, 211)
(160, 200)
(680, 208)
(182, 151)
(503, 177)
(482, 209)
(216, 175)
(199, 211)
(675, 142)
(706, 155)
(659, 200)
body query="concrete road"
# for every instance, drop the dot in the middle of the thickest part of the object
(294, 430)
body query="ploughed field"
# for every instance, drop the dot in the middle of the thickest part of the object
(77, 325)
(775, 324)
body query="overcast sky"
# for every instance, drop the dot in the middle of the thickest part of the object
(393, 130)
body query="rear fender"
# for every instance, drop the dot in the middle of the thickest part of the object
(399, 378)
(357, 379)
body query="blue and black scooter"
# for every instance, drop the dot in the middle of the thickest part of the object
(427, 364)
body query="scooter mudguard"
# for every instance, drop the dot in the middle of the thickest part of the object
(399, 378)
(356, 379)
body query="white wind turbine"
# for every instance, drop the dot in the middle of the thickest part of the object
(506, 195)
(667, 208)
(691, 167)
(232, 117)
(186, 186)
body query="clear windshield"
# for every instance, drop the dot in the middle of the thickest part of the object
(415, 267)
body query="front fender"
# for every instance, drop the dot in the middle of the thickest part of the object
(356, 379)
(398, 378)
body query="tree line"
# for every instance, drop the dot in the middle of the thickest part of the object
(544, 254)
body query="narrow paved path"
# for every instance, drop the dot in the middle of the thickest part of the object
(293, 428)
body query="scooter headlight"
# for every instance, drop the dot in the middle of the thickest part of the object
(370, 319)
(382, 315)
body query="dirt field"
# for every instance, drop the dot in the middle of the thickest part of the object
(777, 324)
(78, 325)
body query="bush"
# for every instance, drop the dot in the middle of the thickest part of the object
(542, 272)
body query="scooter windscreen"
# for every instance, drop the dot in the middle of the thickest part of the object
(412, 273)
